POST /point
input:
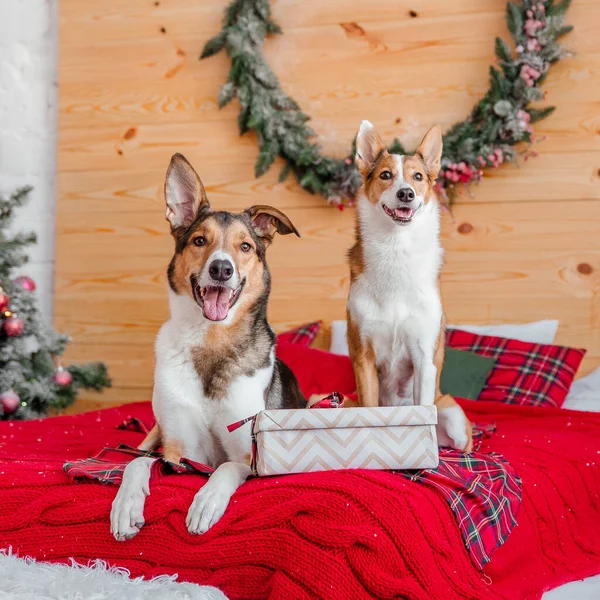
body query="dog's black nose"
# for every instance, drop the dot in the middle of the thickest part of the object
(405, 194)
(220, 270)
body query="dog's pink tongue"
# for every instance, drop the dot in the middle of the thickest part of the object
(216, 304)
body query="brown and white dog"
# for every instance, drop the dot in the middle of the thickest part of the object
(215, 356)
(394, 311)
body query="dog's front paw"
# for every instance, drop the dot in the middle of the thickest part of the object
(127, 514)
(454, 430)
(207, 508)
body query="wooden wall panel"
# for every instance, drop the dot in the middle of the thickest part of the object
(131, 95)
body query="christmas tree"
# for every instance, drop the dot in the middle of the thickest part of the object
(32, 379)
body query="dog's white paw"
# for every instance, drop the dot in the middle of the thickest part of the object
(207, 508)
(452, 428)
(127, 512)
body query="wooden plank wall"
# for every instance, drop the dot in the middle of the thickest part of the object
(525, 246)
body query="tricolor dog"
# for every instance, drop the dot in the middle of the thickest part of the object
(394, 311)
(215, 356)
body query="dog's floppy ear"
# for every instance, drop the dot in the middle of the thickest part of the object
(430, 150)
(184, 193)
(267, 221)
(369, 147)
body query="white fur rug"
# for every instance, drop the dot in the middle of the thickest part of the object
(25, 579)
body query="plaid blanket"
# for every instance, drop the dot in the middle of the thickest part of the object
(482, 489)
(484, 493)
(108, 465)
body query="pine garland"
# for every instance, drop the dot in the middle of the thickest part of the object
(485, 139)
(29, 369)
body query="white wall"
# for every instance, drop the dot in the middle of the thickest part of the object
(28, 100)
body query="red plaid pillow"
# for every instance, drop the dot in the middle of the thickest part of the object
(525, 373)
(302, 336)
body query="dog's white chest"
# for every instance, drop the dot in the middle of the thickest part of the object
(395, 301)
(184, 411)
(395, 308)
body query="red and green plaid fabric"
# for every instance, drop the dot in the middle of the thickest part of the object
(302, 336)
(108, 465)
(134, 424)
(484, 493)
(482, 432)
(525, 373)
(482, 490)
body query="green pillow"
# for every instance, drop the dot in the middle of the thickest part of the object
(464, 373)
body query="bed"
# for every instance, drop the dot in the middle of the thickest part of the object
(340, 534)
(326, 535)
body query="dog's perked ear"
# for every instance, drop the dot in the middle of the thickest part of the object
(430, 150)
(369, 147)
(267, 221)
(184, 193)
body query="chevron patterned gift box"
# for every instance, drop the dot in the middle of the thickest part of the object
(385, 437)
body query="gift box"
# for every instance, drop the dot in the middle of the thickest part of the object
(383, 438)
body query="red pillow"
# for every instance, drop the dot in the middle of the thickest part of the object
(303, 336)
(525, 373)
(317, 371)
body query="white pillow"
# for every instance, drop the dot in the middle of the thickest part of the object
(585, 393)
(339, 343)
(537, 332)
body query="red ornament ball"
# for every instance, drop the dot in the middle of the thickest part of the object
(25, 282)
(4, 300)
(63, 378)
(9, 401)
(13, 326)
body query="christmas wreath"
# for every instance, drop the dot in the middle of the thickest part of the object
(487, 138)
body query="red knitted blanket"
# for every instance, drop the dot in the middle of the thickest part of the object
(483, 490)
(335, 535)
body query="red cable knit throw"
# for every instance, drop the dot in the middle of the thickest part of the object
(482, 489)
(335, 535)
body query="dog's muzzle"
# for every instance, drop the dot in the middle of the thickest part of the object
(401, 215)
(217, 297)
(405, 194)
(221, 270)
(406, 207)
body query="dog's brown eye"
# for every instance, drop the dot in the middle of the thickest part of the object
(418, 176)
(245, 247)
(385, 175)
(200, 241)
